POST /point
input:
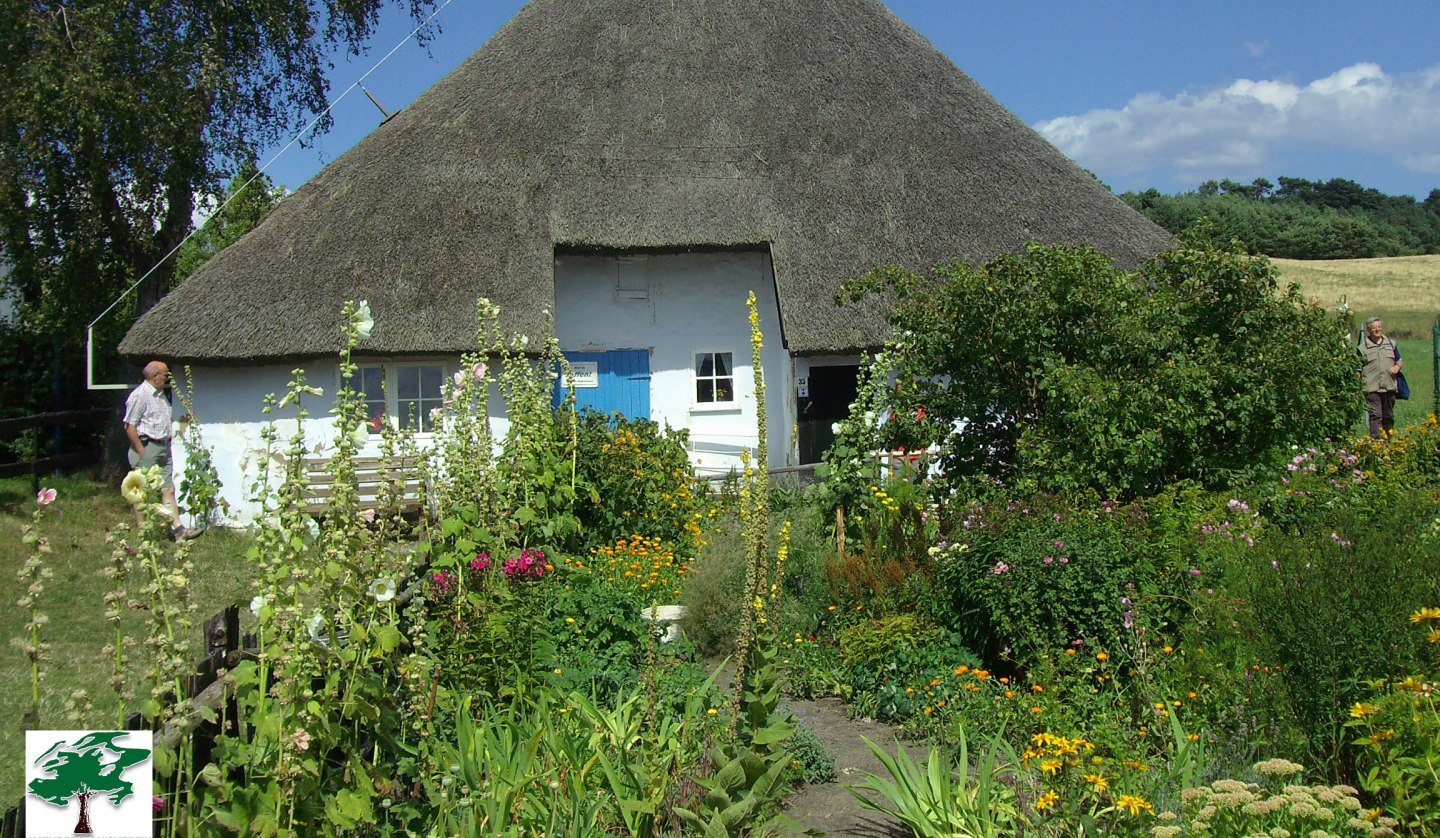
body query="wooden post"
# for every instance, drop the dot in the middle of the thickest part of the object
(840, 532)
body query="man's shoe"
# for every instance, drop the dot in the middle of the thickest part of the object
(183, 533)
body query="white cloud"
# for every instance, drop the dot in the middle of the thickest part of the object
(1245, 128)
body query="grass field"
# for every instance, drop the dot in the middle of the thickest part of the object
(1404, 291)
(75, 525)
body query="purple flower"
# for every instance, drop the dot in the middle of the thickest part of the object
(480, 563)
(1194, 571)
(157, 804)
(1129, 623)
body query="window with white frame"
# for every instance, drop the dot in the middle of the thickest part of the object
(370, 382)
(714, 378)
(418, 392)
(409, 392)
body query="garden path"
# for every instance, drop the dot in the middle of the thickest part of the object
(828, 807)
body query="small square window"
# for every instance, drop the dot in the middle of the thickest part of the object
(714, 378)
(419, 392)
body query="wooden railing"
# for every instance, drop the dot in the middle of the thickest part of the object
(37, 465)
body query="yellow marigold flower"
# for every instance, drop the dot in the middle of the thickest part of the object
(1036, 710)
(1101, 656)
(1009, 693)
(1133, 804)
(1361, 710)
(982, 674)
(1425, 614)
(961, 670)
(1168, 649)
(1047, 801)
(1434, 636)
(1069, 651)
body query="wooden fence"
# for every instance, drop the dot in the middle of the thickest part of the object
(37, 465)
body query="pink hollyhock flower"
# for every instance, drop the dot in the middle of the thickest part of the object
(480, 563)
(157, 803)
(479, 372)
(45, 497)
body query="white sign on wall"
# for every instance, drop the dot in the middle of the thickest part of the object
(584, 375)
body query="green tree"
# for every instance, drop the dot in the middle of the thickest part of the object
(250, 197)
(1055, 370)
(118, 113)
(77, 771)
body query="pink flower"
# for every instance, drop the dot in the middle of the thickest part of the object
(1194, 571)
(45, 497)
(157, 803)
(301, 739)
(999, 568)
(480, 563)
(479, 372)
(441, 582)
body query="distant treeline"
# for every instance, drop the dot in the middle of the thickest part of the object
(1303, 219)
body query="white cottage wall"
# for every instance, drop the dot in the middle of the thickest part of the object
(675, 305)
(228, 402)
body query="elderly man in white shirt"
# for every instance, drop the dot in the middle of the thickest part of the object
(148, 426)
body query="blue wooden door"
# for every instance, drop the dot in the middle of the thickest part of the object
(622, 381)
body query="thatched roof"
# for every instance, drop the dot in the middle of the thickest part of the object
(828, 129)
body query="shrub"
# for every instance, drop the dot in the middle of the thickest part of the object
(711, 595)
(1053, 369)
(1026, 579)
(813, 763)
(638, 479)
(1328, 603)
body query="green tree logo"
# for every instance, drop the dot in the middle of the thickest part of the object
(91, 766)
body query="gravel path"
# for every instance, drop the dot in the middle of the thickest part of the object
(829, 807)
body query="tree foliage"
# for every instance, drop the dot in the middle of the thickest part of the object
(250, 197)
(117, 114)
(1055, 370)
(1302, 219)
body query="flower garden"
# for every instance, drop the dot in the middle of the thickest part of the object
(1112, 646)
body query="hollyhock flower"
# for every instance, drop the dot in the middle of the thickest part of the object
(316, 628)
(133, 487)
(479, 372)
(256, 603)
(45, 497)
(383, 589)
(480, 563)
(301, 739)
(364, 323)
(157, 803)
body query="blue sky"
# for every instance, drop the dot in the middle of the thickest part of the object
(1163, 94)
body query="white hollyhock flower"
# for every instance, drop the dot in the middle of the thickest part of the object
(383, 589)
(364, 323)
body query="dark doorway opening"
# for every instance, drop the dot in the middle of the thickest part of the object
(831, 391)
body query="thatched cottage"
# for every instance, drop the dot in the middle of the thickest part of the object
(636, 167)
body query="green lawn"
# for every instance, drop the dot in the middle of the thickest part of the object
(75, 525)
(1419, 358)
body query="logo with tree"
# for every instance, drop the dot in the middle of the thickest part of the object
(92, 765)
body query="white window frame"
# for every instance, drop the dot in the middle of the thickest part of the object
(390, 372)
(696, 378)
